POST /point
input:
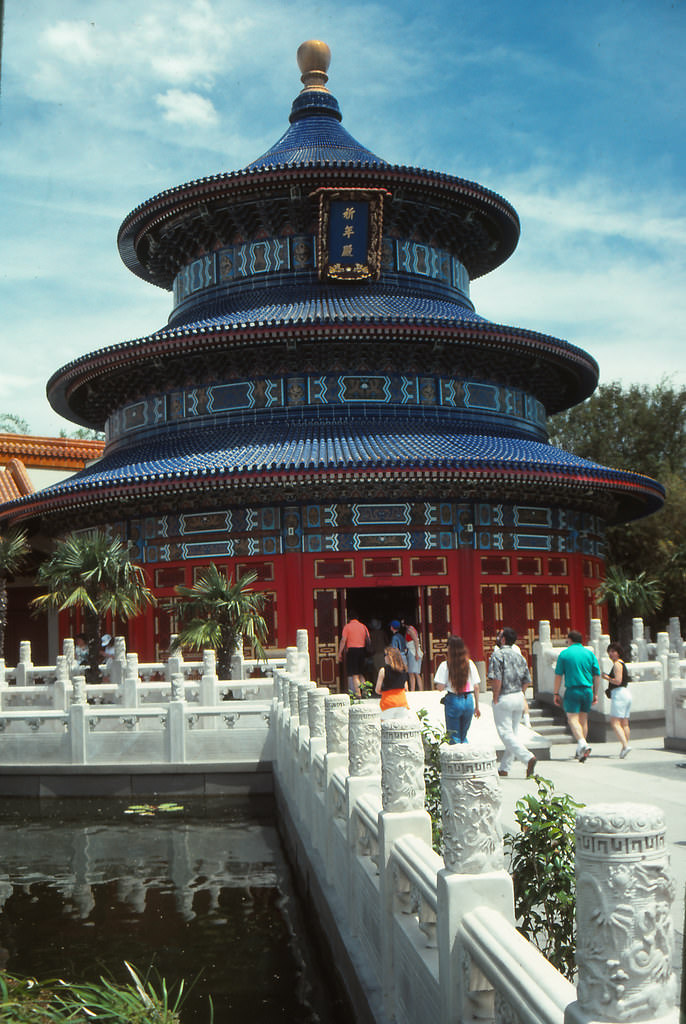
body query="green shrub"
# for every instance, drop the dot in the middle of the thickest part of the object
(542, 869)
(27, 1001)
(432, 737)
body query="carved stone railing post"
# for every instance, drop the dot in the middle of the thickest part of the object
(130, 691)
(674, 694)
(24, 665)
(336, 712)
(471, 797)
(77, 721)
(403, 813)
(474, 874)
(364, 769)
(662, 653)
(208, 679)
(364, 739)
(62, 689)
(68, 650)
(625, 891)
(676, 643)
(317, 754)
(302, 791)
(237, 668)
(176, 720)
(594, 637)
(639, 648)
(118, 664)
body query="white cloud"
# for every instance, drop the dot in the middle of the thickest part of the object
(72, 42)
(186, 108)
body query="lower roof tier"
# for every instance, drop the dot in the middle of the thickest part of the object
(281, 333)
(296, 460)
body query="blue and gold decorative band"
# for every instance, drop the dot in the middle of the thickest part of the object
(510, 406)
(236, 263)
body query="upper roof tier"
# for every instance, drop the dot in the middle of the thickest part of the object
(162, 235)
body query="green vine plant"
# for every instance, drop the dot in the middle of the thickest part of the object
(432, 737)
(542, 869)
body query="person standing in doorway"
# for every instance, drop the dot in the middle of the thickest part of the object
(398, 639)
(415, 656)
(579, 667)
(354, 640)
(508, 674)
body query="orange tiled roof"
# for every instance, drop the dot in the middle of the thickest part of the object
(14, 481)
(49, 452)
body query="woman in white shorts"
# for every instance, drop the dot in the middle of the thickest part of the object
(620, 696)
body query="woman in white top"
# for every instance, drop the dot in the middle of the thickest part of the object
(459, 677)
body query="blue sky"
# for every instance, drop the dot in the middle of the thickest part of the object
(573, 111)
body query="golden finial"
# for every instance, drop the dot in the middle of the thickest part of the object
(314, 58)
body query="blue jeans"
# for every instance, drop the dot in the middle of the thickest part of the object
(459, 711)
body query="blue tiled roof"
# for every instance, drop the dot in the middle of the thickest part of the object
(315, 140)
(315, 136)
(333, 444)
(286, 304)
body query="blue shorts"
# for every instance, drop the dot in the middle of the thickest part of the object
(577, 701)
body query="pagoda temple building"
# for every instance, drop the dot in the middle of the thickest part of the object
(326, 407)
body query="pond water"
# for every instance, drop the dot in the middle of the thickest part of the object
(200, 893)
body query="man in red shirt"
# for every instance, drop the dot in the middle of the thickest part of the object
(354, 642)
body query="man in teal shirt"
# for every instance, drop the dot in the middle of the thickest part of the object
(581, 671)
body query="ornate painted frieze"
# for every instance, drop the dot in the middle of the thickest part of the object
(233, 264)
(346, 528)
(505, 405)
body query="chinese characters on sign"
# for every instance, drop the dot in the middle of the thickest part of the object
(349, 233)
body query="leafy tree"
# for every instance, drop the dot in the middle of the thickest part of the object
(10, 423)
(95, 573)
(217, 612)
(14, 547)
(642, 429)
(639, 595)
(84, 434)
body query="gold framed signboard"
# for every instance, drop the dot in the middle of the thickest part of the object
(349, 233)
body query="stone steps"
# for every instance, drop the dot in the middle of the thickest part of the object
(547, 723)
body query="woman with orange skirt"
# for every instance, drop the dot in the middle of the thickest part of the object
(392, 680)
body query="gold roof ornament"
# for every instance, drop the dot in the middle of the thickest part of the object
(314, 58)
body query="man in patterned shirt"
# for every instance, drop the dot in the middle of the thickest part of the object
(508, 675)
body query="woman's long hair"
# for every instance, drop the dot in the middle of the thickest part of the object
(395, 658)
(457, 657)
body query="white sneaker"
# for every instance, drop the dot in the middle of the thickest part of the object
(623, 752)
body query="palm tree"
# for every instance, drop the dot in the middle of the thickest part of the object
(219, 612)
(93, 572)
(14, 547)
(628, 596)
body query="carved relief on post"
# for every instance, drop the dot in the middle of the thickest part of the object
(625, 892)
(470, 799)
(315, 711)
(303, 705)
(336, 710)
(402, 766)
(364, 739)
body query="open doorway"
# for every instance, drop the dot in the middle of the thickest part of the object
(377, 607)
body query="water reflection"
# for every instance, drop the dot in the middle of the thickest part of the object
(204, 892)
